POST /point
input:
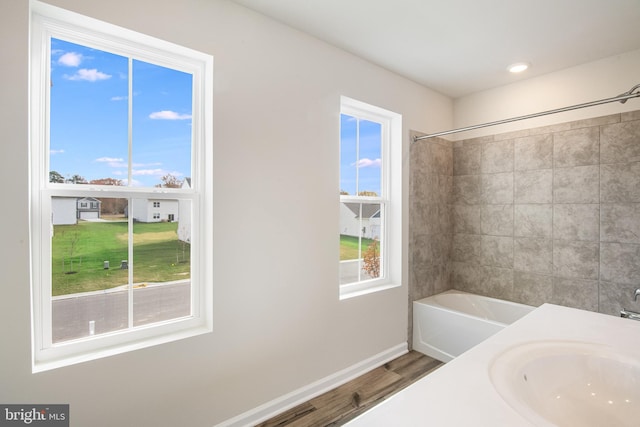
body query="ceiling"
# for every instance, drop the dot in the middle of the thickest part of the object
(458, 47)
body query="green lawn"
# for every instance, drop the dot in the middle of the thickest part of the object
(79, 252)
(349, 247)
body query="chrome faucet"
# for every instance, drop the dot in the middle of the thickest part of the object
(635, 295)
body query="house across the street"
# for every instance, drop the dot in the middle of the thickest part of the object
(68, 210)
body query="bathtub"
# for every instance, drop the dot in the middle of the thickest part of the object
(448, 324)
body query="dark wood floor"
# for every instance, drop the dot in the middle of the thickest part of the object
(342, 404)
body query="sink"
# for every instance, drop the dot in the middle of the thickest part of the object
(565, 383)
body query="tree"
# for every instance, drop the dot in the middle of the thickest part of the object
(371, 260)
(368, 194)
(56, 177)
(110, 205)
(77, 179)
(106, 181)
(170, 181)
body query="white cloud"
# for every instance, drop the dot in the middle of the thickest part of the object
(114, 162)
(169, 115)
(119, 98)
(154, 172)
(52, 152)
(110, 159)
(367, 163)
(70, 59)
(92, 75)
(147, 172)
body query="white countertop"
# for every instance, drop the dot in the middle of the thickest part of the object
(460, 393)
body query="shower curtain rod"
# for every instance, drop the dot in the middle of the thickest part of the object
(634, 92)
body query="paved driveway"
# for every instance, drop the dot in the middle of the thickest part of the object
(72, 315)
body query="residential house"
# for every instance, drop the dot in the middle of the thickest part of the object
(184, 219)
(68, 210)
(155, 210)
(360, 221)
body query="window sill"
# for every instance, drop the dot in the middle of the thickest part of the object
(48, 363)
(358, 289)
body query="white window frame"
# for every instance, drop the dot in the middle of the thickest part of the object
(391, 197)
(46, 22)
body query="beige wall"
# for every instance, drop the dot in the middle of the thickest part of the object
(279, 324)
(596, 80)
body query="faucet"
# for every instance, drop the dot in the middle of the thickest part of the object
(635, 295)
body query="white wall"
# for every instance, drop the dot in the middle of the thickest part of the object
(279, 324)
(585, 83)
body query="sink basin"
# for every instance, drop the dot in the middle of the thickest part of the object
(566, 383)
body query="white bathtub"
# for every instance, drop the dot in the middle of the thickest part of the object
(448, 324)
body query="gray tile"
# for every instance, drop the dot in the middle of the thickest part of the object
(533, 152)
(630, 116)
(466, 219)
(620, 223)
(497, 188)
(615, 297)
(423, 217)
(620, 183)
(430, 249)
(497, 157)
(576, 293)
(532, 289)
(497, 220)
(532, 220)
(467, 277)
(466, 159)
(576, 222)
(497, 282)
(533, 255)
(497, 251)
(579, 147)
(431, 187)
(620, 263)
(578, 184)
(534, 186)
(439, 158)
(466, 248)
(620, 143)
(467, 189)
(579, 260)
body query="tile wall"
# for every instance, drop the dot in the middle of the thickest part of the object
(549, 214)
(430, 222)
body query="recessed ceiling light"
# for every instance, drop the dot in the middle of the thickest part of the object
(518, 67)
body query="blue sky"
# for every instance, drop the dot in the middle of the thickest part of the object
(89, 117)
(360, 163)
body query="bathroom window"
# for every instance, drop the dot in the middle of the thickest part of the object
(370, 194)
(117, 118)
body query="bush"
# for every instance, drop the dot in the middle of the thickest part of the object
(371, 259)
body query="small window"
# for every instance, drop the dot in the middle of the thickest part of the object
(370, 198)
(117, 118)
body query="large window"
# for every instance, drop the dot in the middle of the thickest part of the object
(370, 194)
(120, 189)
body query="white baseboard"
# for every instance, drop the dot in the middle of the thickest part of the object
(296, 397)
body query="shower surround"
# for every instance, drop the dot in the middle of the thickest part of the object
(549, 214)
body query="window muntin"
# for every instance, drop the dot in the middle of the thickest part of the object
(68, 128)
(370, 198)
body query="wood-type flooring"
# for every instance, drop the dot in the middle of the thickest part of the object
(342, 404)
